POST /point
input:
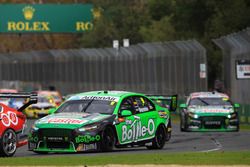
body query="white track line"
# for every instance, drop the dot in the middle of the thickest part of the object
(217, 144)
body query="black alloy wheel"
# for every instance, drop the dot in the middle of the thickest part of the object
(159, 139)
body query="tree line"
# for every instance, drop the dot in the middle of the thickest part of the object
(167, 20)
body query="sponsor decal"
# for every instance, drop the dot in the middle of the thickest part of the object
(87, 139)
(55, 138)
(136, 130)
(32, 138)
(212, 122)
(107, 98)
(214, 111)
(163, 114)
(144, 109)
(9, 118)
(208, 95)
(66, 121)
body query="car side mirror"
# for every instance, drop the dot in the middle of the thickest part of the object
(183, 105)
(126, 113)
(52, 110)
(173, 104)
(236, 105)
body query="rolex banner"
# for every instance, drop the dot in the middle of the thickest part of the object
(46, 18)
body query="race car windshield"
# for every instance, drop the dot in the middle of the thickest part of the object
(42, 100)
(209, 101)
(88, 106)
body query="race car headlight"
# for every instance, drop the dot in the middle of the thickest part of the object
(192, 115)
(233, 115)
(88, 127)
(33, 129)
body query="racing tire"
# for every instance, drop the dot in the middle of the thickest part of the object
(108, 140)
(238, 124)
(183, 124)
(8, 143)
(168, 131)
(159, 139)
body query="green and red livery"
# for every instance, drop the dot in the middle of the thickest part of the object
(102, 120)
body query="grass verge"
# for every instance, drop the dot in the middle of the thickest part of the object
(245, 127)
(211, 158)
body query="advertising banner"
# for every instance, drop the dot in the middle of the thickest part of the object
(46, 18)
(243, 69)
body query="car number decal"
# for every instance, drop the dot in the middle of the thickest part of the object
(9, 118)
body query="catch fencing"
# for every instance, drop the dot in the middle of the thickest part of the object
(177, 67)
(236, 69)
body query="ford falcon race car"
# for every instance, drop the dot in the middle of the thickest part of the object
(209, 111)
(12, 124)
(101, 120)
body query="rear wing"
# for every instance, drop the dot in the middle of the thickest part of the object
(170, 100)
(30, 98)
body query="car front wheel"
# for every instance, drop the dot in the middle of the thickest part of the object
(107, 140)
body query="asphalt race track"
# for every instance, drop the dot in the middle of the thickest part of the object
(180, 142)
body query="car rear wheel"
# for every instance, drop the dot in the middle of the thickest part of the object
(8, 143)
(183, 124)
(168, 131)
(107, 140)
(159, 139)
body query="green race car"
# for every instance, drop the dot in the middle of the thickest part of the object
(209, 111)
(101, 120)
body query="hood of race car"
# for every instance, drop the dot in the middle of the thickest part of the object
(69, 120)
(211, 109)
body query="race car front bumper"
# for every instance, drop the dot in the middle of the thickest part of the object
(213, 123)
(63, 140)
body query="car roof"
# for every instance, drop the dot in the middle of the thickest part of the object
(111, 93)
(208, 94)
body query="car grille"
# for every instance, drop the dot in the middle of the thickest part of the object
(58, 145)
(55, 132)
(55, 138)
(213, 122)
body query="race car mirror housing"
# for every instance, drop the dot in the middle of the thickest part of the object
(52, 110)
(126, 113)
(236, 105)
(183, 105)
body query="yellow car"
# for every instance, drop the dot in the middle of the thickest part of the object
(41, 108)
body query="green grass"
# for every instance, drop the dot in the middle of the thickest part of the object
(212, 158)
(245, 127)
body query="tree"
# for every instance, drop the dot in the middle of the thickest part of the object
(161, 30)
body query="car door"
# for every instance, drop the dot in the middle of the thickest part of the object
(146, 116)
(125, 126)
